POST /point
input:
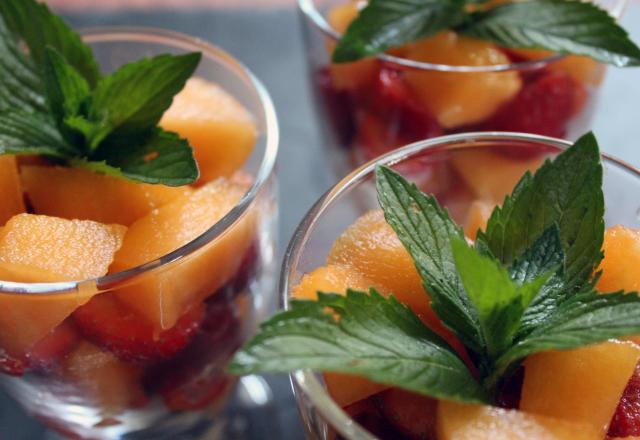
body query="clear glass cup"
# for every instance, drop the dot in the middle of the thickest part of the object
(88, 393)
(369, 107)
(456, 170)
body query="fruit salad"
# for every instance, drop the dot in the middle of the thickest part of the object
(130, 272)
(447, 82)
(487, 303)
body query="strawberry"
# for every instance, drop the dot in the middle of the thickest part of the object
(544, 105)
(337, 104)
(44, 354)
(389, 117)
(196, 378)
(11, 365)
(112, 326)
(626, 419)
(413, 415)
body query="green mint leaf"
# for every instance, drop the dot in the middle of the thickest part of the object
(583, 319)
(566, 192)
(67, 92)
(20, 86)
(384, 24)
(563, 26)
(424, 228)
(499, 301)
(163, 158)
(133, 99)
(544, 256)
(31, 133)
(375, 337)
(39, 28)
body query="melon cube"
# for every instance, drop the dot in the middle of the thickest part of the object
(492, 176)
(10, 189)
(76, 193)
(220, 130)
(582, 69)
(348, 75)
(104, 380)
(457, 421)
(581, 386)
(458, 99)
(477, 217)
(621, 260)
(163, 295)
(345, 389)
(36, 248)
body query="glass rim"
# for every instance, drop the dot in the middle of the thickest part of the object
(271, 134)
(305, 381)
(313, 15)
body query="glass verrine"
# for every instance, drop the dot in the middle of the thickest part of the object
(88, 391)
(458, 170)
(442, 85)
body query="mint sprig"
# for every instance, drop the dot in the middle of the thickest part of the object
(395, 348)
(563, 26)
(109, 123)
(525, 287)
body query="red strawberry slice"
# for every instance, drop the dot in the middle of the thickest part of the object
(112, 326)
(337, 104)
(196, 377)
(11, 365)
(390, 117)
(626, 419)
(544, 105)
(412, 414)
(45, 354)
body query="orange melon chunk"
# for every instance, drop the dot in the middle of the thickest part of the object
(582, 69)
(373, 249)
(345, 389)
(348, 75)
(621, 260)
(162, 296)
(75, 193)
(580, 386)
(105, 380)
(477, 218)
(220, 130)
(10, 190)
(458, 99)
(490, 175)
(37, 248)
(457, 421)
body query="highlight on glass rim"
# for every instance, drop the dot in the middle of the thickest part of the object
(448, 250)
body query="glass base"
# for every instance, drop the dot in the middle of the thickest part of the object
(250, 411)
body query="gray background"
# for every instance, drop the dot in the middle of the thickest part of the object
(268, 42)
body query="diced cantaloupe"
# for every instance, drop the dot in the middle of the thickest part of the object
(458, 99)
(621, 264)
(36, 248)
(580, 386)
(104, 380)
(76, 193)
(372, 248)
(477, 217)
(348, 75)
(163, 295)
(490, 175)
(333, 278)
(221, 131)
(10, 189)
(344, 389)
(582, 69)
(457, 421)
